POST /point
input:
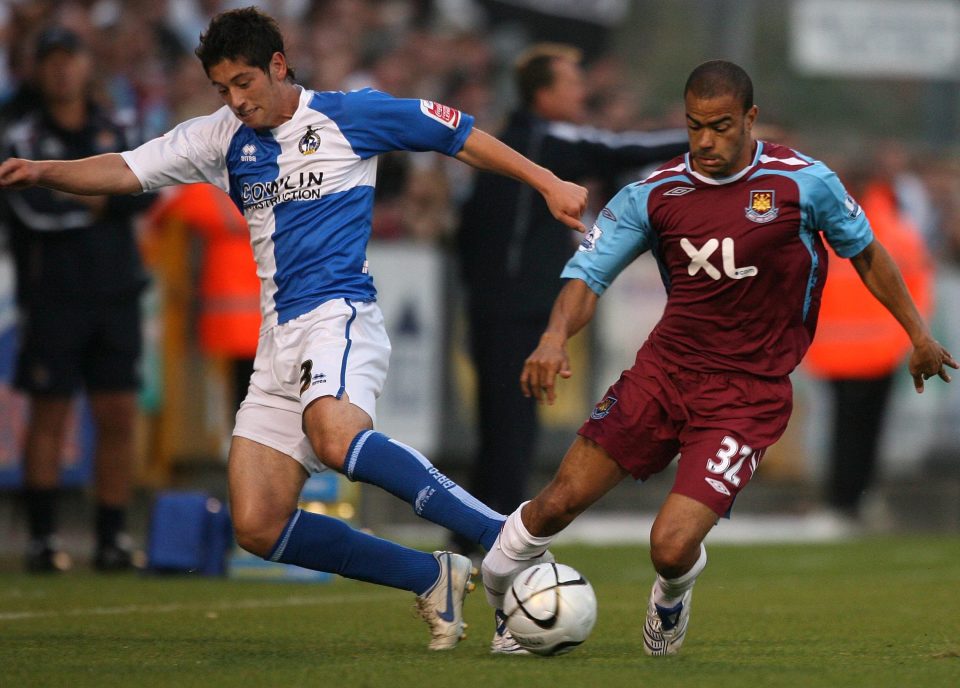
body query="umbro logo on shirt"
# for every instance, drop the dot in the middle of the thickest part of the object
(679, 191)
(248, 153)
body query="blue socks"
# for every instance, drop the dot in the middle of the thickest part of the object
(328, 544)
(404, 472)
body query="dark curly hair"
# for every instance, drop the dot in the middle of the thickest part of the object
(244, 34)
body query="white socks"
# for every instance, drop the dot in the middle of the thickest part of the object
(512, 552)
(668, 591)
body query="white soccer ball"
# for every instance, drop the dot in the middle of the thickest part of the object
(550, 608)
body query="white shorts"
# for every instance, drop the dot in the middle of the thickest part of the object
(339, 347)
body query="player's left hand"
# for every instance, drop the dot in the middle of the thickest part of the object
(929, 359)
(540, 370)
(567, 201)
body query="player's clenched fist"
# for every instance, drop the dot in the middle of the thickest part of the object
(16, 173)
(567, 201)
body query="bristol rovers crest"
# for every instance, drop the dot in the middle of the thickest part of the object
(309, 142)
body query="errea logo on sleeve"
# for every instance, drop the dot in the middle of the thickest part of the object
(444, 114)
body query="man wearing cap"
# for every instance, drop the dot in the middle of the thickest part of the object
(79, 277)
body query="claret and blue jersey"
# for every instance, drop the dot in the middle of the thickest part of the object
(305, 187)
(741, 258)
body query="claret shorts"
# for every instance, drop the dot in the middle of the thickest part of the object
(720, 423)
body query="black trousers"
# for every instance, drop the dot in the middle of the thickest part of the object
(508, 424)
(859, 409)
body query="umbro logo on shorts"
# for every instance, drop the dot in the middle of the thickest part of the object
(718, 486)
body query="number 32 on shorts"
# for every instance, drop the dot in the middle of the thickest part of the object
(732, 451)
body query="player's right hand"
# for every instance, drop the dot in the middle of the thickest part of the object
(16, 173)
(567, 201)
(540, 370)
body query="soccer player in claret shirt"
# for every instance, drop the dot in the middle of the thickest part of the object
(735, 226)
(301, 165)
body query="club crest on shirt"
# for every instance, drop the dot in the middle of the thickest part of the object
(446, 115)
(603, 408)
(762, 206)
(309, 142)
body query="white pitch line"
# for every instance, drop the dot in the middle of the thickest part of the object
(178, 607)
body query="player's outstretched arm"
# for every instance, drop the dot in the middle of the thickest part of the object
(95, 176)
(882, 277)
(574, 307)
(566, 200)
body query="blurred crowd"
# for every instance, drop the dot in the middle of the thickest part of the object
(444, 50)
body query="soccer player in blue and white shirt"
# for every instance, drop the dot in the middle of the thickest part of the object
(301, 165)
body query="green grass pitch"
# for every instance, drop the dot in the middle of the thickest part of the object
(872, 613)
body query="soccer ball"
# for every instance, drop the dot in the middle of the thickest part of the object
(550, 608)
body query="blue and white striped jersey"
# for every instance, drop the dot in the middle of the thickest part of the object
(305, 187)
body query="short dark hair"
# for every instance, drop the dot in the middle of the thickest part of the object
(243, 34)
(720, 78)
(533, 70)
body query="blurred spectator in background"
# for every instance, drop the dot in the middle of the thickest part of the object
(228, 322)
(512, 251)
(79, 277)
(859, 346)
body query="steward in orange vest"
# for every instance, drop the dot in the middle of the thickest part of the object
(856, 336)
(858, 348)
(229, 320)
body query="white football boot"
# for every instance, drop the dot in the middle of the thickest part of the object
(442, 605)
(666, 628)
(503, 642)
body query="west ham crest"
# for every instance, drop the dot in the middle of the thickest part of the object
(603, 408)
(762, 207)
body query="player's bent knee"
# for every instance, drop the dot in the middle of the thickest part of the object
(257, 536)
(673, 557)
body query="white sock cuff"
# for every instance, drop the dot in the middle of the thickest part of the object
(674, 587)
(517, 542)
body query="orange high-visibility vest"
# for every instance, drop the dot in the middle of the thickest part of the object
(856, 336)
(229, 320)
